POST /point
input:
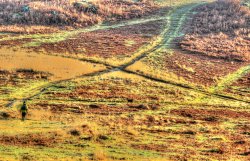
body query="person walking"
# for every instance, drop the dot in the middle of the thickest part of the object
(24, 110)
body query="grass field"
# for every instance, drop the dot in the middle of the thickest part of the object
(126, 89)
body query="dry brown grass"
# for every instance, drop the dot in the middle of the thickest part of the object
(226, 16)
(13, 77)
(132, 131)
(28, 29)
(218, 46)
(100, 155)
(38, 139)
(123, 41)
(62, 14)
(220, 29)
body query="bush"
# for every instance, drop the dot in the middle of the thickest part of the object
(4, 115)
(75, 132)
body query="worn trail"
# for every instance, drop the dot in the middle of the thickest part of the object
(176, 20)
(61, 36)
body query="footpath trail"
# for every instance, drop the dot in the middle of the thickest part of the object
(63, 35)
(176, 20)
(164, 38)
(230, 79)
(173, 30)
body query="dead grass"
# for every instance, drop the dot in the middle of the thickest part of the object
(220, 30)
(227, 16)
(200, 69)
(100, 155)
(132, 131)
(187, 133)
(240, 87)
(47, 140)
(219, 46)
(44, 15)
(13, 77)
(122, 41)
(24, 29)
(243, 82)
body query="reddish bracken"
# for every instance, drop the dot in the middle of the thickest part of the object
(220, 30)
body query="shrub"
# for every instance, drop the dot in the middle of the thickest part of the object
(4, 115)
(75, 132)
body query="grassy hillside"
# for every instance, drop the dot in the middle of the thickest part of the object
(220, 29)
(125, 89)
(44, 14)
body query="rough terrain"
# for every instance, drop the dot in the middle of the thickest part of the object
(128, 90)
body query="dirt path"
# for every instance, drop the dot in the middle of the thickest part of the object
(58, 37)
(38, 39)
(230, 79)
(177, 19)
(172, 31)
